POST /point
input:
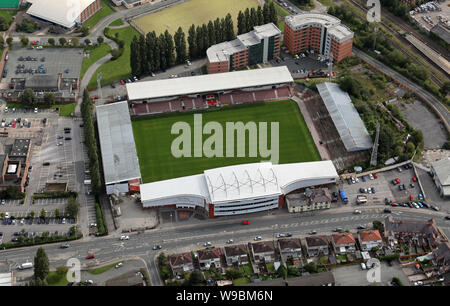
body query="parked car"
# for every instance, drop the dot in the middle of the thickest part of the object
(90, 256)
(363, 178)
(414, 179)
(371, 176)
(361, 227)
(64, 246)
(312, 232)
(357, 212)
(245, 222)
(257, 238)
(123, 237)
(373, 189)
(206, 244)
(229, 241)
(119, 265)
(447, 217)
(338, 229)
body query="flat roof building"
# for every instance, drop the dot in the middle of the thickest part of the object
(119, 156)
(440, 171)
(321, 33)
(349, 125)
(258, 46)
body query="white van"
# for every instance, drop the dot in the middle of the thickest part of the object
(27, 265)
(363, 266)
(87, 182)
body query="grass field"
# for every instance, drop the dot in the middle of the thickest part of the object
(103, 269)
(102, 13)
(120, 68)
(9, 4)
(153, 139)
(64, 109)
(8, 15)
(117, 22)
(200, 11)
(55, 279)
(96, 54)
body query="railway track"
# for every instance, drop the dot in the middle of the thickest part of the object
(433, 78)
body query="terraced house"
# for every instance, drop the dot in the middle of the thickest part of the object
(258, 46)
(209, 258)
(181, 263)
(236, 255)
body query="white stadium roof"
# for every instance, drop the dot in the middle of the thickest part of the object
(345, 117)
(208, 83)
(120, 161)
(240, 182)
(58, 11)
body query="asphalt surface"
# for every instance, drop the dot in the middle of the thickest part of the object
(180, 237)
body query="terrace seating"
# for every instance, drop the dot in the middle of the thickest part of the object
(199, 103)
(226, 99)
(159, 107)
(176, 105)
(283, 92)
(139, 109)
(265, 95)
(188, 104)
(243, 97)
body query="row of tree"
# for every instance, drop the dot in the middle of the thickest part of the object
(254, 17)
(29, 98)
(152, 53)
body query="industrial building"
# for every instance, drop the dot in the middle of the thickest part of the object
(14, 163)
(238, 189)
(346, 119)
(63, 13)
(440, 170)
(318, 33)
(118, 150)
(258, 46)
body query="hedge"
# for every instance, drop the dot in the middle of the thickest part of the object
(39, 240)
(146, 277)
(100, 221)
(54, 195)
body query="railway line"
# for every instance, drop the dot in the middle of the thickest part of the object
(405, 28)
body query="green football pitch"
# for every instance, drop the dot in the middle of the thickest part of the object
(154, 139)
(9, 4)
(192, 12)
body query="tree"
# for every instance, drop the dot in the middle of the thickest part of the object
(100, 40)
(57, 213)
(417, 138)
(84, 31)
(51, 41)
(378, 225)
(273, 17)
(311, 267)
(43, 213)
(205, 36)
(199, 41)
(49, 98)
(134, 57)
(72, 207)
(229, 28)
(259, 16)
(282, 272)
(142, 55)
(75, 41)
(62, 41)
(253, 18)
(9, 41)
(233, 274)
(211, 33)
(32, 214)
(218, 31)
(4, 24)
(41, 264)
(445, 89)
(247, 20)
(180, 45)
(29, 98)
(242, 27)
(87, 41)
(170, 48)
(24, 41)
(37, 282)
(192, 41)
(162, 51)
(195, 278)
(266, 13)
(152, 52)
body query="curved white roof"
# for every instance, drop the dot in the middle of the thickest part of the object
(208, 83)
(61, 12)
(241, 182)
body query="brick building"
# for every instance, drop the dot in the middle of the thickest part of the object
(14, 163)
(258, 46)
(320, 33)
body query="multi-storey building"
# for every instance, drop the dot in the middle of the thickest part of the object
(258, 46)
(320, 33)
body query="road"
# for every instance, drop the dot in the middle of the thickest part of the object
(180, 237)
(407, 83)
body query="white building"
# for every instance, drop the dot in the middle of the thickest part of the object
(440, 171)
(238, 189)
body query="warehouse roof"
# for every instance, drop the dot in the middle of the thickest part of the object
(58, 12)
(208, 83)
(120, 161)
(345, 117)
(442, 170)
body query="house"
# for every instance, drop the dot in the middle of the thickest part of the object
(343, 243)
(209, 258)
(263, 251)
(311, 199)
(370, 239)
(440, 171)
(441, 258)
(236, 255)
(181, 263)
(420, 233)
(290, 249)
(316, 246)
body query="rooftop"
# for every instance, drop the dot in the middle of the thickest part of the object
(442, 170)
(345, 117)
(42, 81)
(427, 228)
(180, 259)
(236, 250)
(263, 247)
(292, 243)
(308, 197)
(20, 148)
(332, 23)
(372, 235)
(119, 157)
(343, 238)
(208, 83)
(209, 254)
(58, 12)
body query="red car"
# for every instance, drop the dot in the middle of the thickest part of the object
(397, 180)
(122, 82)
(375, 176)
(394, 204)
(414, 179)
(411, 198)
(90, 256)
(246, 222)
(14, 124)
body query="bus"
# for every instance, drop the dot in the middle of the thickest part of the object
(343, 196)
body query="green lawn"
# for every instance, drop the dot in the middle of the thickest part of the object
(326, 2)
(117, 22)
(153, 139)
(96, 54)
(246, 269)
(103, 269)
(270, 267)
(200, 11)
(65, 110)
(241, 281)
(120, 68)
(8, 15)
(53, 279)
(341, 257)
(102, 13)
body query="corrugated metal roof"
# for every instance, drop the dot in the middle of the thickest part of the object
(120, 161)
(208, 83)
(345, 117)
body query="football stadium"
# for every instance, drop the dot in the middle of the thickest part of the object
(220, 184)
